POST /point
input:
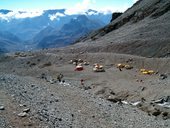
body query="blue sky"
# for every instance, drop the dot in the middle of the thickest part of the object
(113, 5)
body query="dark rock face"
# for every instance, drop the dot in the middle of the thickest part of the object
(115, 15)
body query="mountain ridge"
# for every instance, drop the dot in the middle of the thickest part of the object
(141, 30)
(71, 31)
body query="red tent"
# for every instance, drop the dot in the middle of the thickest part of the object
(79, 68)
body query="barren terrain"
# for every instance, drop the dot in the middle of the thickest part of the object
(106, 100)
(139, 97)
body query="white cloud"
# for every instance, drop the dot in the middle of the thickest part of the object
(80, 8)
(21, 14)
(135, 1)
(107, 10)
(92, 13)
(56, 16)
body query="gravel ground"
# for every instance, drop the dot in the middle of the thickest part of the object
(56, 105)
(3, 122)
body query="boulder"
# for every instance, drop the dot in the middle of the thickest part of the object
(2, 108)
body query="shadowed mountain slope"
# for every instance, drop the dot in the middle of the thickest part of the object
(9, 42)
(77, 27)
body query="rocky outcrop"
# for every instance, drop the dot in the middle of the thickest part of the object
(115, 15)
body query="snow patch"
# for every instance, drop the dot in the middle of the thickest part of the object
(56, 16)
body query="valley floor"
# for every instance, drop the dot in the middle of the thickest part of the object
(30, 82)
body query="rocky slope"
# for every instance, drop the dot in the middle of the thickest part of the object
(141, 30)
(31, 96)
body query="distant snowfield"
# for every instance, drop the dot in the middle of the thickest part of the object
(21, 14)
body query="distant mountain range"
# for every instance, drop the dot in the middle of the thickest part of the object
(49, 28)
(70, 32)
(9, 42)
